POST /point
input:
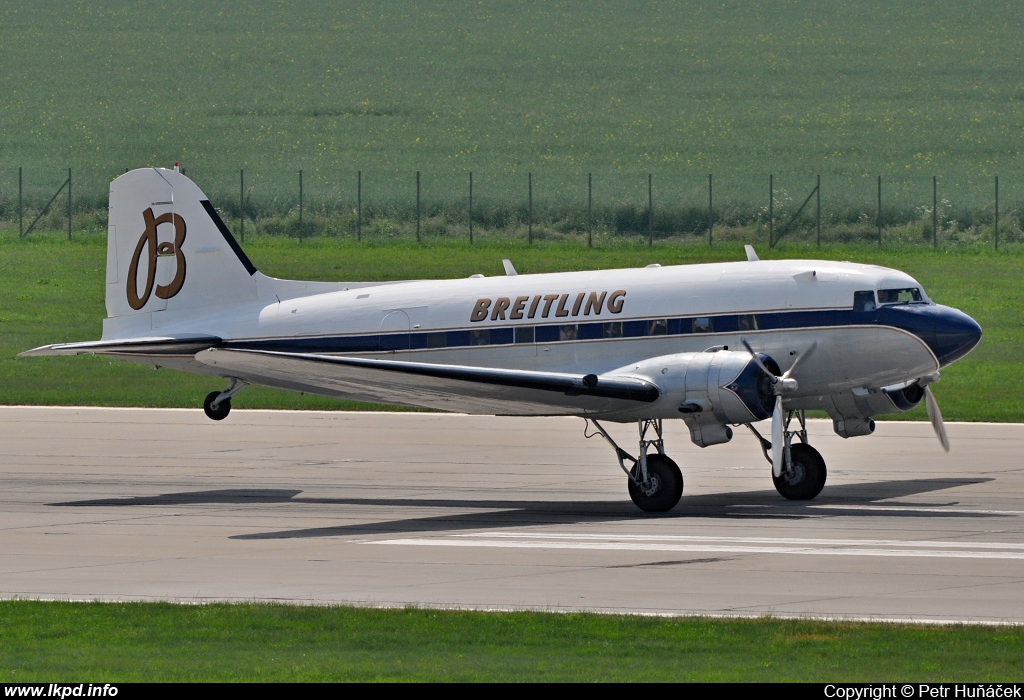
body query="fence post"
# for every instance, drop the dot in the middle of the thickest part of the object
(241, 203)
(529, 177)
(935, 211)
(471, 207)
(69, 204)
(417, 206)
(817, 216)
(300, 206)
(590, 210)
(650, 210)
(997, 212)
(771, 210)
(711, 213)
(879, 217)
(21, 220)
(359, 205)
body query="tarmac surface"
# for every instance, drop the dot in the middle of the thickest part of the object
(432, 510)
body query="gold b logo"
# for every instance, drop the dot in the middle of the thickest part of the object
(148, 242)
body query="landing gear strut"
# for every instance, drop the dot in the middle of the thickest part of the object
(802, 475)
(655, 482)
(217, 404)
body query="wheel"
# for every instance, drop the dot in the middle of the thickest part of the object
(665, 485)
(808, 477)
(222, 410)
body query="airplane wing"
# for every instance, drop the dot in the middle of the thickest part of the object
(444, 387)
(161, 345)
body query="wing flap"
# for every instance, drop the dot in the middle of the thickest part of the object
(445, 387)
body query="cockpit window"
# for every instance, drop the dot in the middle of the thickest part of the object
(864, 301)
(899, 296)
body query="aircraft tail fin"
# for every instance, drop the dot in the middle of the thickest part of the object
(168, 250)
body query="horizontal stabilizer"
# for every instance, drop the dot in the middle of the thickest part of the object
(135, 346)
(444, 387)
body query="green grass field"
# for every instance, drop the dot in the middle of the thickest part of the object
(51, 290)
(678, 88)
(106, 642)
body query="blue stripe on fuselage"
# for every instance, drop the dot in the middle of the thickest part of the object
(950, 334)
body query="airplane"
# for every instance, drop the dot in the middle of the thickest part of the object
(717, 345)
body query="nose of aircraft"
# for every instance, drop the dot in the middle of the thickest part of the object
(949, 332)
(955, 335)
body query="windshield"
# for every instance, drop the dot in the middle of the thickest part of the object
(900, 296)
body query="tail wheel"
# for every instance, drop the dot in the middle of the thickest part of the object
(222, 409)
(807, 478)
(664, 485)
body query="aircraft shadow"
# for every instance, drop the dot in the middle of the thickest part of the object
(189, 498)
(512, 513)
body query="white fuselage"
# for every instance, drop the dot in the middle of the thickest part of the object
(779, 307)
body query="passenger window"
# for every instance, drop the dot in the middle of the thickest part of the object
(702, 324)
(546, 334)
(657, 327)
(864, 301)
(613, 329)
(524, 334)
(501, 336)
(746, 322)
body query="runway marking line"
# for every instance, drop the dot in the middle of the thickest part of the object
(919, 509)
(710, 544)
(748, 540)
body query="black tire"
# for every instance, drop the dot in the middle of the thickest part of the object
(666, 485)
(808, 478)
(222, 410)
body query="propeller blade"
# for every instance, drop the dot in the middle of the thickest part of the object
(800, 358)
(757, 359)
(778, 438)
(935, 416)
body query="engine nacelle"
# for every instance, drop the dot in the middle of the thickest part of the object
(709, 390)
(851, 412)
(906, 398)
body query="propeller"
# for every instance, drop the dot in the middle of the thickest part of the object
(935, 416)
(784, 384)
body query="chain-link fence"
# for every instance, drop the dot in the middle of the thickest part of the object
(684, 207)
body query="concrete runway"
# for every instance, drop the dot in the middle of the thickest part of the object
(500, 513)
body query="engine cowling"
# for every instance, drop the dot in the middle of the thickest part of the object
(709, 390)
(906, 398)
(852, 412)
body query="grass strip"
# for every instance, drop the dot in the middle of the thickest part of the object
(121, 642)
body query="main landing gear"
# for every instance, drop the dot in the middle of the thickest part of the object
(655, 482)
(802, 475)
(218, 403)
